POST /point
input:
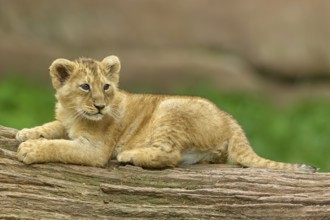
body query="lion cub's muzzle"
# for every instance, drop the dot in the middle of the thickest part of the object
(95, 112)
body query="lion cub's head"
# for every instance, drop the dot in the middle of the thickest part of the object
(86, 87)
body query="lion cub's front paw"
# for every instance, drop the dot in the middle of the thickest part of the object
(126, 157)
(30, 152)
(27, 134)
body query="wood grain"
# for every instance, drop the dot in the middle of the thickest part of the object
(61, 191)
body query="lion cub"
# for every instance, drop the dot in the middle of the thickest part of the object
(96, 121)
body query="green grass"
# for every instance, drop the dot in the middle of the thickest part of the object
(25, 103)
(298, 132)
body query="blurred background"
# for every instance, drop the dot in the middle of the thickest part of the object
(265, 62)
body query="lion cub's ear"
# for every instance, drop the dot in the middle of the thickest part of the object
(112, 65)
(60, 71)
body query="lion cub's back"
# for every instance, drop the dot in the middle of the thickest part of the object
(190, 107)
(198, 117)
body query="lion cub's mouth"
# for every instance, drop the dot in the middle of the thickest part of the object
(93, 116)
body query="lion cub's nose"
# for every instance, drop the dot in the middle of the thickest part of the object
(99, 107)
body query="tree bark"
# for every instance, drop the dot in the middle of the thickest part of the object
(62, 191)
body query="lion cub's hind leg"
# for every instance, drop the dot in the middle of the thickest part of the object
(158, 157)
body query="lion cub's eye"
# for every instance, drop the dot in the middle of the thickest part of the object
(106, 87)
(85, 87)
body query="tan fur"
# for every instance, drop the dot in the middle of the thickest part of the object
(95, 123)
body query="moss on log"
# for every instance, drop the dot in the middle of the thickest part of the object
(62, 191)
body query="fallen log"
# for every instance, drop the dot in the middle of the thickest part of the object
(7, 138)
(62, 191)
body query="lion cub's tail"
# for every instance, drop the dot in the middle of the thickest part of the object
(240, 151)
